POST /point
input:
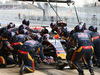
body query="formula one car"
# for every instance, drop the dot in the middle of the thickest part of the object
(53, 49)
(55, 53)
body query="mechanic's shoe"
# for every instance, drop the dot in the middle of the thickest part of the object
(91, 72)
(81, 73)
(99, 66)
(2, 66)
(22, 69)
(85, 66)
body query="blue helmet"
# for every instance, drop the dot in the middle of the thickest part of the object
(24, 31)
(83, 23)
(52, 25)
(26, 22)
(92, 28)
(21, 27)
(11, 25)
(79, 28)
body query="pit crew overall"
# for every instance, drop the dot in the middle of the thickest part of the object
(55, 28)
(64, 33)
(84, 46)
(96, 42)
(27, 51)
(4, 34)
(5, 50)
(17, 42)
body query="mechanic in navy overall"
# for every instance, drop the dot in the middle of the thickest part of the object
(5, 46)
(25, 25)
(4, 34)
(27, 52)
(18, 40)
(96, 41)
(54, 27)
(83, 45)
(64, 33)
(5, 50)
(3, 29)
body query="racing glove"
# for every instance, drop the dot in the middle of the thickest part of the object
(45, 61)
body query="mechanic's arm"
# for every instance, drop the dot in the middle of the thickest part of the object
(28, 38)
(41, 53)
(31, 30)
(71, 42)
(9, 47)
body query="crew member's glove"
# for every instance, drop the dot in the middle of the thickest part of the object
(45, 61)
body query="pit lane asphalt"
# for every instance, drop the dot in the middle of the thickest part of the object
(43, 69)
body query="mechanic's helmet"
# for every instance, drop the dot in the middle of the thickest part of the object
(21, 27)
(92, 28)
(46, 36)
(10, 25)
(79, 28)
(24, 31)
(52, 25)
(44, 31)
(11, 35)
(26, 22)
(83, 23)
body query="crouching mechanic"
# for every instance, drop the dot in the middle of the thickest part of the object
(83, 45)
(27, 51)
(18, 40)
(5, 50)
